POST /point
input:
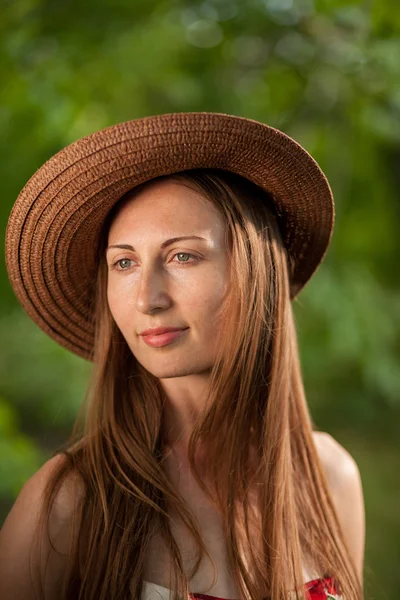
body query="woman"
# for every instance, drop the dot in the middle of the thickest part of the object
(194, 465)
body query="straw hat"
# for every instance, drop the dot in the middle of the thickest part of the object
(54, 226)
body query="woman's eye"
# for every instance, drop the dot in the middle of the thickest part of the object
(118, 263)
(185, 254)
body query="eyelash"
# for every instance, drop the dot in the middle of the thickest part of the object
(196, 258)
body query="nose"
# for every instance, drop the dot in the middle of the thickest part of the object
(152, 292)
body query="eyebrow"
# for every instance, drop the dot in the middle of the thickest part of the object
(163, 245)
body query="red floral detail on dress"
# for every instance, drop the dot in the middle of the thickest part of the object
(322, 589)
(316, 589)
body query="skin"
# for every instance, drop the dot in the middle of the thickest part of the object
(155, 287)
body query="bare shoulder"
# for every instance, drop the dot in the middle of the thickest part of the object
(69, 491)
(337, 462)
(20, 531)
(31, 497)
(345, 484)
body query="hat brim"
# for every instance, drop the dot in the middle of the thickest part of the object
(53, 229)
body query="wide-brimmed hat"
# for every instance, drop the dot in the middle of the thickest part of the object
(54, 227)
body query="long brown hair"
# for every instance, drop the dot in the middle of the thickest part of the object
(256, 409)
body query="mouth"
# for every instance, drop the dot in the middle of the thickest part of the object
(163, 339)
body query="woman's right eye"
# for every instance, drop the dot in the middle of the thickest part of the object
(114, 265)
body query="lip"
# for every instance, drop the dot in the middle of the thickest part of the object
(160, 330)
(156, 341)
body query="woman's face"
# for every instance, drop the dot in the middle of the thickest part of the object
(179, 285)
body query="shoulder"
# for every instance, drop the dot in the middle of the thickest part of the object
(20, 531)
(66, 495)
(344, 481)
(31, 498)
(333, 455)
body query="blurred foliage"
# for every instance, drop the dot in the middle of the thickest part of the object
(325, 72)
(23, 456)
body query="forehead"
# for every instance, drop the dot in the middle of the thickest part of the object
(166, 205)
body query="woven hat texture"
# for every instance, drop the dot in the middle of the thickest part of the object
(54, 226)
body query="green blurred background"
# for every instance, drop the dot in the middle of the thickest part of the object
(328, 74)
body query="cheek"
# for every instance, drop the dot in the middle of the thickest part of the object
(118, 305)
(120, 291)
(206, 301)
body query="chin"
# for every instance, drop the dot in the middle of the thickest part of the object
(170, 373)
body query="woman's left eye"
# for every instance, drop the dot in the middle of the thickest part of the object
(114, 265)
(186, 254)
